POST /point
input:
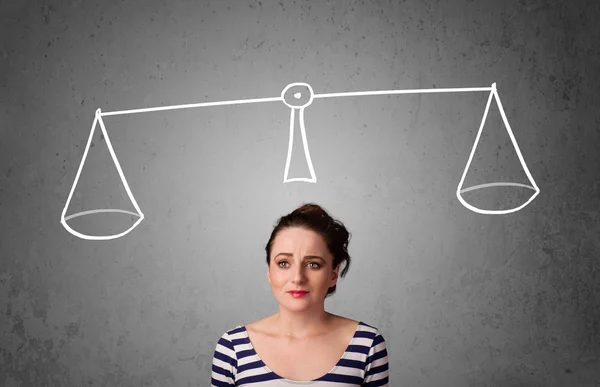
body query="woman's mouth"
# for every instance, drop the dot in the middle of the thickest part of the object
(298, 293)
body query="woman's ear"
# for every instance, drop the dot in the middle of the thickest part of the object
(335, 274)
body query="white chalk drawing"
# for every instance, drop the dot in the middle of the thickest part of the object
(297, 108)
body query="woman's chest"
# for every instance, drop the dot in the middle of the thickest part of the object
(300, 360)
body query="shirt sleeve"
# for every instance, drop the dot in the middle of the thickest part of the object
(224, 364)
(376, 370)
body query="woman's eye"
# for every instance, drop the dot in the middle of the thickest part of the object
(315, 265)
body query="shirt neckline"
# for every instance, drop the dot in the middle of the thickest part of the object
(301, 381)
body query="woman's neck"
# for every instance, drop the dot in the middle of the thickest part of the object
(300, 326)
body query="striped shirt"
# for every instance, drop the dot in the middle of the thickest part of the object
(363, 364)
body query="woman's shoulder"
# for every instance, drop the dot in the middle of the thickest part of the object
(258, 326)
(262, 325)
(349, 322)
(233, 333)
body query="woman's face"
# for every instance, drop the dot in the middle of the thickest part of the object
(300, 260)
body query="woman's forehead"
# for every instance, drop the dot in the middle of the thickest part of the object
(307, 242)
(298, 237)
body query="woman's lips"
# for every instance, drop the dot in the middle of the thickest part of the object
(298, 293)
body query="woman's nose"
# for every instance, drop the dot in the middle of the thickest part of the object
(299, 274)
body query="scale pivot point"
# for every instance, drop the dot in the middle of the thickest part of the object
(297, 95)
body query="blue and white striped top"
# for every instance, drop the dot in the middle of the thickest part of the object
(363, 364)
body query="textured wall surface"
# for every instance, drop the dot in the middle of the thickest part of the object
(462, 298)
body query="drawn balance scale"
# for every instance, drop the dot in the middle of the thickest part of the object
(298, 96)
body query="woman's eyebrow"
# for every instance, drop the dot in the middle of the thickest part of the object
(305, 257)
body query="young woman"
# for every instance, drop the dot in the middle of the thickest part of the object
(302, 344)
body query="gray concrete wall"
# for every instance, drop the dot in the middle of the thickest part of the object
(463, 299)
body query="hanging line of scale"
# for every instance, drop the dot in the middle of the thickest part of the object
(297, 119)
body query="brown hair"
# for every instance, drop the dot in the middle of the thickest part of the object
(313, 217)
